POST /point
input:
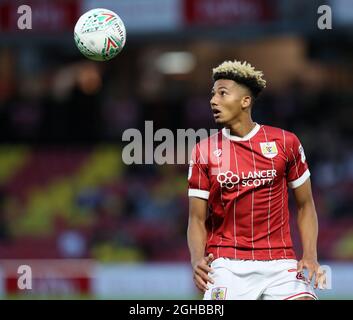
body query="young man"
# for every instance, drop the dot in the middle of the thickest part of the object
(238, 233)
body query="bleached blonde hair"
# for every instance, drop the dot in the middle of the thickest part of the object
(241, 72)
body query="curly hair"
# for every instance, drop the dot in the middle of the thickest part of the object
(242, 73)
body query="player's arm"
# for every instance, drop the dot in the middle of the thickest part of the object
(197, 236)
(308, 229)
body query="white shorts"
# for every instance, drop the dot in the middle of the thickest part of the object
(257, 280)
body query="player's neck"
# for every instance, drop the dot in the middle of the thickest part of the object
(242, 128)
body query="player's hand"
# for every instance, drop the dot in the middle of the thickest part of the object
(201, 269)
(314, 269)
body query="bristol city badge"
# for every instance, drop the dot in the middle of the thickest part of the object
(218, 293)
(269, 149)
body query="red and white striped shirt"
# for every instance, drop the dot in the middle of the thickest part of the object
(245, 182)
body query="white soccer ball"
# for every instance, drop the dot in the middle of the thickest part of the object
(100, 34)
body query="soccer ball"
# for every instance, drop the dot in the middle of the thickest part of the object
(100, 34)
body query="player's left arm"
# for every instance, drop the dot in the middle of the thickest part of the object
(308, 229)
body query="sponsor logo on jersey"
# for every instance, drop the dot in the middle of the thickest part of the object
(217, 153)
(229, 179)
(218, 293)
(269, 149)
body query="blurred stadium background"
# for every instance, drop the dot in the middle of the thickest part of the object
(96, 228)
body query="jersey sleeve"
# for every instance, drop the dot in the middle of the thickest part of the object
(198, 180)
(297, 170)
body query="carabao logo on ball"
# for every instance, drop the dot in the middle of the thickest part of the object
(100, 34)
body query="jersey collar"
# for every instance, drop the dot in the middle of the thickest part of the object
(252, 133)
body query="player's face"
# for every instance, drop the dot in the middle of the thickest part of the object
(227, 102)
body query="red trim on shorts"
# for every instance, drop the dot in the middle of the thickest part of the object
(301, 293)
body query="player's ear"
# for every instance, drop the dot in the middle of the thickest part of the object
(246, 102)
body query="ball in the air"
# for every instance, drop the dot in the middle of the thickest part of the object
(100, 34)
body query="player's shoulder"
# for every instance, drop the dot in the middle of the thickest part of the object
(206, 142)
(278, 133)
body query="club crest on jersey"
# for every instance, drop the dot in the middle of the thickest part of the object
(269, 149)
(218, 293)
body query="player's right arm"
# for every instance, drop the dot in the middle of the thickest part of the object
(197, 235)
(199, 187)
